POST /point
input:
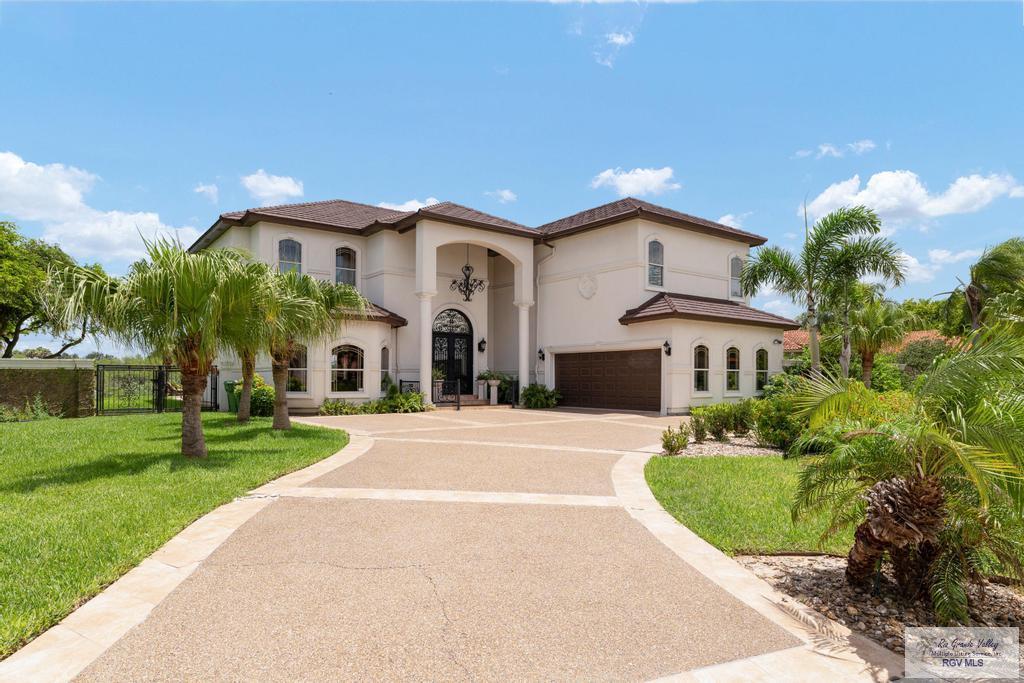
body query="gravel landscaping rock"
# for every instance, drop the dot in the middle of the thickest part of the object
(737, 445)
(819, 582)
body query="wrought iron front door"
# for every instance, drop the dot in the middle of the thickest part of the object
(453, 348)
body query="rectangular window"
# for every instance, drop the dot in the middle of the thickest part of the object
(345, 266)
(346, 369)
(385, 367)
(735, 268)
(289, 256)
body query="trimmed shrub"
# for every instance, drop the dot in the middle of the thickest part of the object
(698, 426)
(262, 402)
(886, 375)
(409, 402)
(775, 422)
(538, 396)
(719, 420)
(918, 357)
(675, 441)
(742, 417)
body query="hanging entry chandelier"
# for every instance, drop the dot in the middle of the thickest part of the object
(468, 285)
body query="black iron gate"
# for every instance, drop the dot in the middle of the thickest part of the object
(124, 389)
(453, 349)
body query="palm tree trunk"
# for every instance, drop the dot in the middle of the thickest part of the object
(812, 329)
(867, 364)
(844, 357)
(193, 384)
(245, 400)
(974, 306)
(864, 555)
(280, 372)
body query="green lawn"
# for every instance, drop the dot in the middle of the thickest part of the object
(741, 505)
(83, 501)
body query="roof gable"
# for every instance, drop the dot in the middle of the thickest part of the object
(691, 307)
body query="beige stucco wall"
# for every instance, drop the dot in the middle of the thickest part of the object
(591, 279)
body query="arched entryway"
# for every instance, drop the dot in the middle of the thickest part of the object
(453, 348)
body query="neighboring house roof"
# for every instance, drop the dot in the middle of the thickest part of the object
(686, 306)
(338, 215)
(624, 209)
(794, 341)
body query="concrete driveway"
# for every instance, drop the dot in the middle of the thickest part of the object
(475, 545)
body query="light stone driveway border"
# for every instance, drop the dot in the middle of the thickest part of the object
(830, 651)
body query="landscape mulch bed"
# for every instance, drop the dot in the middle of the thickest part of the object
(878, 612)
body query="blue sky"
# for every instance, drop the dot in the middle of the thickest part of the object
(124, 117)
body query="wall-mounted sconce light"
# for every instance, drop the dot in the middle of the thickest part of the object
(776, 341)
(482, 345)
(668, 348)
(540, 354)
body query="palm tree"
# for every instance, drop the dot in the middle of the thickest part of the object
(873, 326)
(247, 331)
(838, 249)
(174, 304)
(939, 486)
(300, 307)
(1000, 269)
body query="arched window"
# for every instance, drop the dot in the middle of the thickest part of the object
(655, 264)
(735, 268)
(761, 365)
(345, 266)
(289, 256)
(385, 368)
(700, 368)
(298, 370)
(732, 369)
(451, 320)
(346, 368)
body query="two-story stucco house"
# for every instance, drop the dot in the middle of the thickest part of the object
(627, 305)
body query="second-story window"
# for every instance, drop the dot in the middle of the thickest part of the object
(289, 256)
(655, 264)
(345, 266)
(735, 268)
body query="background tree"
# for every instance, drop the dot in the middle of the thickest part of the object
(999, 270)
(873, 326)
(175, 304)
(23, 271)
(302, 309)
(835, 247)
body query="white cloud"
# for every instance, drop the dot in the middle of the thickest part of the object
(271, 189)
(620, 39)
(900, 195)
(209, 191)
(639, 181)
(925, 271)
(503, 196)
(411, 205)
(782, 307)
(734, 220)
(790, 235)
(54, 195)
(861, 146)
(827, 149)
(917, 271)
(946, 257)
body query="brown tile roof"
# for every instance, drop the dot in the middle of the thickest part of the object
(630, 207)
(457, 213)
(380, 314)
(666, 305)
(796, 340)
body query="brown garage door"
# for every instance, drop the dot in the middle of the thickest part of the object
(626, 380)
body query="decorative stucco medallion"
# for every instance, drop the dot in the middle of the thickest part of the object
(587, 286)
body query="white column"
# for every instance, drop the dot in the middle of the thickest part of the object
(524, 344)
(426, 345)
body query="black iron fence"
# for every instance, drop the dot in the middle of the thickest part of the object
(124, 389)
(448, 391)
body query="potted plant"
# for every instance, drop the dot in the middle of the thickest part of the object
(481, 384)
(494, 381)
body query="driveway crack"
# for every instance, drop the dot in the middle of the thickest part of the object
(450, 624)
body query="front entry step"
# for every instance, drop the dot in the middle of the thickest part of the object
(469, 401)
